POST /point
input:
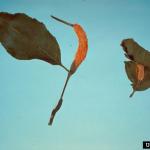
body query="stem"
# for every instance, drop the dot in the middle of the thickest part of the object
(64, 67)
(132, 93)
(59, 104)
(68, 77)
(54, 111)
(137, 84)
(62, 21)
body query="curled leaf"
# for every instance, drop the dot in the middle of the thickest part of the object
(26, 38)
(82, 47)
(79, 57)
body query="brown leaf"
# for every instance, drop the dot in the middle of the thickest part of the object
(26, 38)
(135, 52)
(130, 67)
(138, 69)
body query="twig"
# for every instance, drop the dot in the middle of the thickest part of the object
(62, 21)
(59, 104)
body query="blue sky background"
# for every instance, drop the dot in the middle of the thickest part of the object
(97, 113)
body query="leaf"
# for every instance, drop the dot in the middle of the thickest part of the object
(135, 52)
(130, 67)
(79, 57)
(138, 68)
(26, 38)
(82, 48)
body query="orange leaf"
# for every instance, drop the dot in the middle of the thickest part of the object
(82, 47)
